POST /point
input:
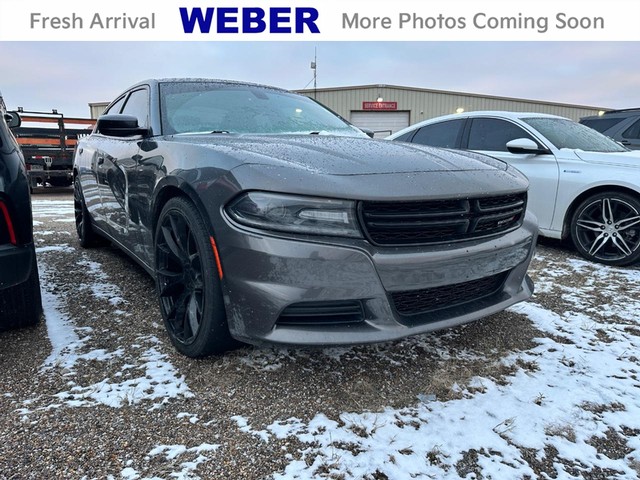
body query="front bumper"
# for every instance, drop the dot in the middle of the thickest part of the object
(264, 276)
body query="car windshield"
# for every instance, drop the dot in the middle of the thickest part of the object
(563, 133)
(212, 107)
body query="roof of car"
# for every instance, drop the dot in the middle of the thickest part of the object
(157, 81)
(479, 113)
(624, 113)
(501, 113)
(623, 110)
(207, 80)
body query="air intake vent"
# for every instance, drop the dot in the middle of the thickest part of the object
(322, 313)
(436, 221)
(414, 302)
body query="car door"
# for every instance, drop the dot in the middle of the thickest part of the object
(630, 137)
(91, 153)
(117, 160)
(490, 135)
(149, 170)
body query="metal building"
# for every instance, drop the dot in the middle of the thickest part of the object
(385, 109)
(96, 108)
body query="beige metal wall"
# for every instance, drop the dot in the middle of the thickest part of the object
(424, 104)
(97, 108)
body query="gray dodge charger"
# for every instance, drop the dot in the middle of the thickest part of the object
(266, 218)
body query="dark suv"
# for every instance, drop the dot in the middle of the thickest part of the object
(621, 125)
(20, 303)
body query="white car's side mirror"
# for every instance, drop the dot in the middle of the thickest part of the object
(525, 145)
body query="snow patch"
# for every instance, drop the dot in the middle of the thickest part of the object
(580, 389)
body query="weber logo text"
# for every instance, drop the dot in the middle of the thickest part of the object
(249, 20)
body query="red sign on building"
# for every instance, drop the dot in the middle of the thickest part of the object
(379, 105)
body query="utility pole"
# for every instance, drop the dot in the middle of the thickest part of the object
(314, 67)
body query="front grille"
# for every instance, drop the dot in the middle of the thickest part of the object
(414, 302)
(436, 221)
(322, 313)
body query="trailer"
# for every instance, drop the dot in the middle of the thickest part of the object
(48, 141)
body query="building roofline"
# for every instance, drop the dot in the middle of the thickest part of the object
(449, 92)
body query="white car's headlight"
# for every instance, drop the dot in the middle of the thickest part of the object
(296, 214)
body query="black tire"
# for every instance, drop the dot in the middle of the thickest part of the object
(188, 282)
(21, 305)
(605, 228)
(84, 228)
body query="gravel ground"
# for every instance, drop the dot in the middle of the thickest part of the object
(106, 396)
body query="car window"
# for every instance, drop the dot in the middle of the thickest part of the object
(565, 133)
(601, 124)
(204, 107)
(492, 134)
(138, 106)
(633, 131)
(115, 108)
(444, 134)
(405, 136)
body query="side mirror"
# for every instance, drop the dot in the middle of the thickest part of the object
(525, 145)
(13, 119)
(116, 125)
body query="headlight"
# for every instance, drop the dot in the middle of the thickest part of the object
(295, 214)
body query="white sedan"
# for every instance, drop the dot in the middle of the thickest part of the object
(583, 185)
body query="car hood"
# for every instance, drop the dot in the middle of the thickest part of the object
(623, 159)
(331, 155)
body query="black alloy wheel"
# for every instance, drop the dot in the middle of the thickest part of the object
(188, 282)
(606, 228)
(84, 228)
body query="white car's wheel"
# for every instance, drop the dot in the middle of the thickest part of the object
(606, 228)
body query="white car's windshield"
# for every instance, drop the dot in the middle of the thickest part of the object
(213, 107)
(565, 133)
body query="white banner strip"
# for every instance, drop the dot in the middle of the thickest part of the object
(349, 20)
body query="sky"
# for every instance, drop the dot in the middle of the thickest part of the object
(68, 76)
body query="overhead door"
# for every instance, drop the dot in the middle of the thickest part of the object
(382, 123)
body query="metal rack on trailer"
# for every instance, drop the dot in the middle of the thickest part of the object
(48, 140)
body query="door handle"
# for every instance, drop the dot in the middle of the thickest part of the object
(625, 142)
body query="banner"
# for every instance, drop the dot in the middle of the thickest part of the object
(351, 20)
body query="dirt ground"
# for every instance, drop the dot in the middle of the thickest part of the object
(102, 393)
